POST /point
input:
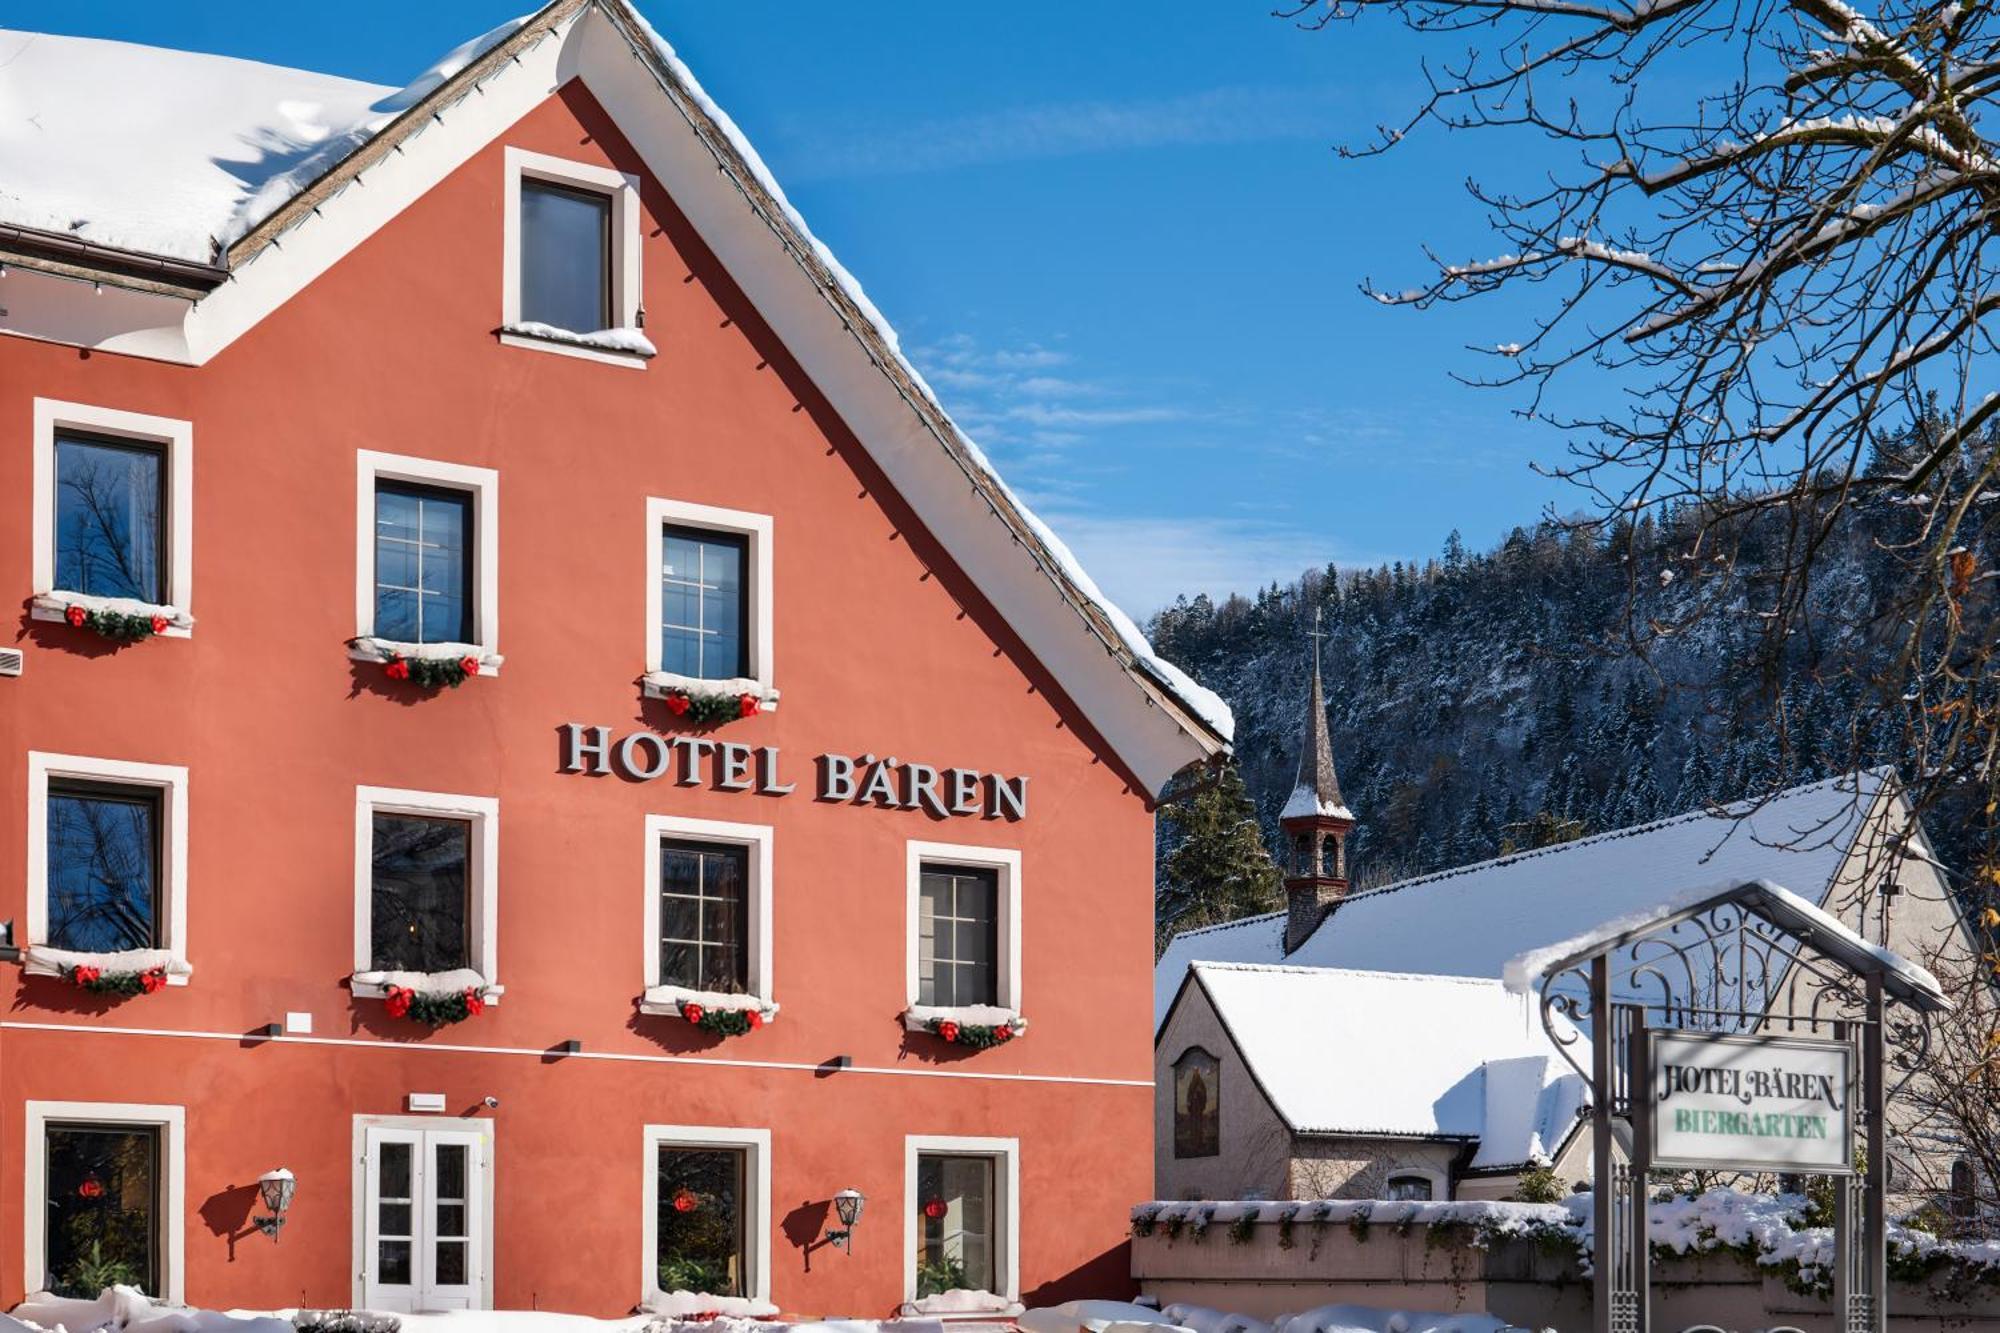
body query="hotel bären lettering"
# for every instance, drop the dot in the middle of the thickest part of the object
(517, 745)
(1751, 1103)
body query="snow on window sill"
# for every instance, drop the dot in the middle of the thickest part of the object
(368, 648)
(919, 1017)
(660, 684)
(667, 1001)
(40, 960)
(624, 347)
(691, 1305)
(375, 985)
(53, 605)
(959, 1301)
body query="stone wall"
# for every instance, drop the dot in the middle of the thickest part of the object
(1520, 1281)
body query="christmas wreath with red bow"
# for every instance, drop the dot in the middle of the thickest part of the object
(99, 982)
(972, 1036)
(116, 625)
(722, 1022)
(711, 709)
(436, 1010)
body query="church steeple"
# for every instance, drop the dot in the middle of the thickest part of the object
(1315, 823)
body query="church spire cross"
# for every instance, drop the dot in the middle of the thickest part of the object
(1315, 821)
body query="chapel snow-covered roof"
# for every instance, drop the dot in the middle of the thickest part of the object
(205, 159)
(1472, 920)
(1340, 1051)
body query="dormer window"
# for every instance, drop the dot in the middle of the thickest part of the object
(571, 242)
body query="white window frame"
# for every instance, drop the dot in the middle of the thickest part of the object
(1440, 1186)
(755, 529)
(483, 812)
(483, 1128)
(172, 1120)
(758, 839)
(1006, 1208)
(1006, 860)
(171, 781)
(483, 485)
(756, 1191)
(623, 191)
(53, 416)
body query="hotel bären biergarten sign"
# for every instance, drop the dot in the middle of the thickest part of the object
(890, 783)
(1751, 1104)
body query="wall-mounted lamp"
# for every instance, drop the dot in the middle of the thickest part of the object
(847, 1207)
(276, 1188)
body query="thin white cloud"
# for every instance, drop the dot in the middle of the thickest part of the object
(1144, 562)
(819, 150)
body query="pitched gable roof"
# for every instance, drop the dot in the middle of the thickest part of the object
(1339, 1051)
(1472, 920)
(1154, 717)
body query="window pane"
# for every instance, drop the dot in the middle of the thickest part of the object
(423, 570)
(565, 257)
(704, 900)
(104, 867)
(1409, 1187)
(109, 534)
(704, 604)
(957, 935)
(958, 1242)
(103, 1209)
(419, 904)
(702, 1245)
(393, 1267)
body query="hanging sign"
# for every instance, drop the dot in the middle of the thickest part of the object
(1752, 1103)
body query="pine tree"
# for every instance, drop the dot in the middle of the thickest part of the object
(1219, 869)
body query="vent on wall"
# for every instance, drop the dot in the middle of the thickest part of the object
(10, 661)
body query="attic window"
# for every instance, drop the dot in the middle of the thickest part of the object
(571, 278)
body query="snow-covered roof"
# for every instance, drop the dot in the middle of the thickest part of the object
(1304, 801)
(1340, 1051)
(191, 152)
(206, 159)
(1472, 920)
(1773, 902)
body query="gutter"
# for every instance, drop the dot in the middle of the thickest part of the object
(88, 261)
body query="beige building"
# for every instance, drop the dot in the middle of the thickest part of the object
(1284, 1082)
(1849, 846)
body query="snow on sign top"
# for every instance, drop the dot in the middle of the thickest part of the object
(1332, 1049)
(196, 150)
(1471, 921)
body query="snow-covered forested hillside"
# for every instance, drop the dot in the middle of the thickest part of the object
(1481, 702)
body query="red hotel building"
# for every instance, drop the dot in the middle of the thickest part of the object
(590, 954)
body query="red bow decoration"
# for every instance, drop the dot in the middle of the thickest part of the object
(152, 979)
(750, 704)
(76, 615)
(677, 704)
(692, 1012)
(469, 665)
(756, 1019)
(84, 975)
(948, 1030)
(397, 1002)
(397, 669)
(475, 1003)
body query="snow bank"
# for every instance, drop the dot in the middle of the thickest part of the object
(455, 982)
(1089, 1317)
(42, 959)
(1367, 1319)
(961, 1300)
(1201, 1319)
(700, 1305)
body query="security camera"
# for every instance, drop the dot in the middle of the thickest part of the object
(493, 1103)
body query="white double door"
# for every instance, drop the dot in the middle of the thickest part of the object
(423, 1219)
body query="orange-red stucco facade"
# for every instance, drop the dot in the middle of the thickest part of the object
(881, 645)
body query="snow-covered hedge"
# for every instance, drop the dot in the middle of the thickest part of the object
(1769, 1231)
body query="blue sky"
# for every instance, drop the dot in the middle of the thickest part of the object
(1118, 242)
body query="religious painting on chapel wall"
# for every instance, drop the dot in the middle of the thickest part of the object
(1197, 1104)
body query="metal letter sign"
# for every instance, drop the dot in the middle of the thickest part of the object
(1724, 1103)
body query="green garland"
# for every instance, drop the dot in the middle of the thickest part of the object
(115, 625)
(973, 1036)
(436, 1010)
(710, 710)
(431, 673)
(722, 1022)
(97, 982)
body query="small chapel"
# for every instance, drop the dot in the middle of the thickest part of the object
(1359, 1044)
